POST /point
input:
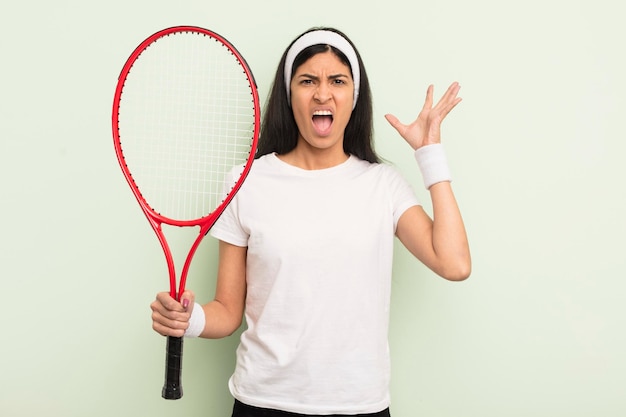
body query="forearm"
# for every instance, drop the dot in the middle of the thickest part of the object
(220, 321)
(224, 314)
(449, 238)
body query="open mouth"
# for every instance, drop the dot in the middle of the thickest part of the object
(322, 120)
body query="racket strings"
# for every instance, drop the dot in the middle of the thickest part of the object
(187, 125)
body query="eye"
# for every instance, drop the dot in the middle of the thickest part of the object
(340, 81)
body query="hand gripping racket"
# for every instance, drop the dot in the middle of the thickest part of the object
(185, 129)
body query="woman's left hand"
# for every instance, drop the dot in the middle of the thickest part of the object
(426, 129)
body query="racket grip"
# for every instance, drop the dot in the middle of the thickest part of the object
(172, 389)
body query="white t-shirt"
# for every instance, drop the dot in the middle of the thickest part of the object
(319, 263)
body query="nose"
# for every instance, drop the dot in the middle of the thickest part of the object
(322, 93)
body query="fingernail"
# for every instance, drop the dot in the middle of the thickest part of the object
(185, 303)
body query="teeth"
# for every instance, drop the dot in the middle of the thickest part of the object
(322, 113)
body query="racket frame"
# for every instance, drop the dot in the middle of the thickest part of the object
(156, 219)
(172, 388)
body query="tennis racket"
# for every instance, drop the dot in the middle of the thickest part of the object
(185, 129)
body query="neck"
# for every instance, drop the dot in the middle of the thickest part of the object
(309, 158)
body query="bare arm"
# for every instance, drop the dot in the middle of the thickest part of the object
(223, 315)
(440, 243)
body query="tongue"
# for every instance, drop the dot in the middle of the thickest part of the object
(322, 123)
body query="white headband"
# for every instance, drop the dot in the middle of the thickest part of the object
(323, 37)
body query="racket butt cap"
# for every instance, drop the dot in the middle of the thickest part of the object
(172, 392)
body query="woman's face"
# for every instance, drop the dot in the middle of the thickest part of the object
(321, 101)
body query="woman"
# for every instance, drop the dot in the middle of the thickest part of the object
(306, 245)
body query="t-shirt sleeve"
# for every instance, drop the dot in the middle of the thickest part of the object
(402, 194)
(228, 228)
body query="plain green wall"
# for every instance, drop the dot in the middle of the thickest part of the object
(536, 149)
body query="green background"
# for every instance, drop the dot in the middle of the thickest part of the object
(536, 149)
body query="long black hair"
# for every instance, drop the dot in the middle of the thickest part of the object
(279, 132)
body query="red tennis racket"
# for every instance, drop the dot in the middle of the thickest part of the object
(185, 128)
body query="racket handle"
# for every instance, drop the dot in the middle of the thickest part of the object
(172, 389)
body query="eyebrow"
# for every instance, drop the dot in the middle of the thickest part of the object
(330, 77)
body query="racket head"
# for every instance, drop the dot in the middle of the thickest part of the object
(185, 124)
(185, 128)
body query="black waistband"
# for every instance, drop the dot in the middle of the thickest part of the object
(244, 410)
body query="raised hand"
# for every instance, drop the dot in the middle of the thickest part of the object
(426, 129)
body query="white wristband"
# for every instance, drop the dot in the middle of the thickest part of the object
(196, 321)
(433, 164)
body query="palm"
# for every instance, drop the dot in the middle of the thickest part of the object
(426, 129)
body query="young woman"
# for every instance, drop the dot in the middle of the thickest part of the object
(306, 245)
